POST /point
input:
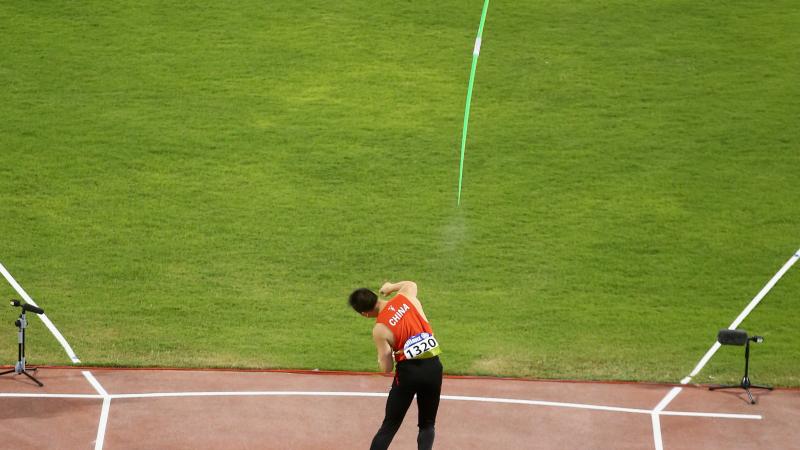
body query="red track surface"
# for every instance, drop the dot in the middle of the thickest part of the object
(243, 410)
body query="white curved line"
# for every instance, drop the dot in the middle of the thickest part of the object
(43, 317)
(443, 397)
(382, 394)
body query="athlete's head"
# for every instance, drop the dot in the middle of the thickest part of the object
(363, 301)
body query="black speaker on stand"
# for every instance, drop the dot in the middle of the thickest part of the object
(740, 337)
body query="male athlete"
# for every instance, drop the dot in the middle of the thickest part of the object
(402, 334)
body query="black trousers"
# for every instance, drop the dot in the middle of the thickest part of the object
(422, 377)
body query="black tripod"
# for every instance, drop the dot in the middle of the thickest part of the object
(745, 384)
(22, 323)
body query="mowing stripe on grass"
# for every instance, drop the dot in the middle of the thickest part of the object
(475, 52)
(744, 313)
(44, 317)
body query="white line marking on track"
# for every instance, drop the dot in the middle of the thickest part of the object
(43, 317)
(657, 431)
(714, 415)
(668, 398)
(443, 397)
(105, 396)
(250, 394)
(101, 427)
(657, 421)
(545, 403)
(95, 384)
(379, 394)
(25, 395)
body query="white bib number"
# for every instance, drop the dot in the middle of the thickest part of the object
(420, 346)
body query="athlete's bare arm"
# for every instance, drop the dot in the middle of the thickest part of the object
(382, 337)
(407, 288)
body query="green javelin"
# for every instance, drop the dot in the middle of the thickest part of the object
(475, 53)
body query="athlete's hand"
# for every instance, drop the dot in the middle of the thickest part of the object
(386, 289)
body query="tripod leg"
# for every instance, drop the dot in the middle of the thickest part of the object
(769, 388)
(8, 371)
(752, 402)
(33, 378)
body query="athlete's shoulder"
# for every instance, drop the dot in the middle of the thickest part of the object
(381, 330)
(418, 306)
(409, 298)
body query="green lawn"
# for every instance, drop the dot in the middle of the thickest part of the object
(203, 185)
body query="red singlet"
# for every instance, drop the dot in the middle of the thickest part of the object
(404, 321)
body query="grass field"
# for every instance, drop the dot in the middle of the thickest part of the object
(203, 185)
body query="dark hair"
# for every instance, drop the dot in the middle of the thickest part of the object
(363, 300)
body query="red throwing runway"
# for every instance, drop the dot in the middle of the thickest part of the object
(185, 409)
